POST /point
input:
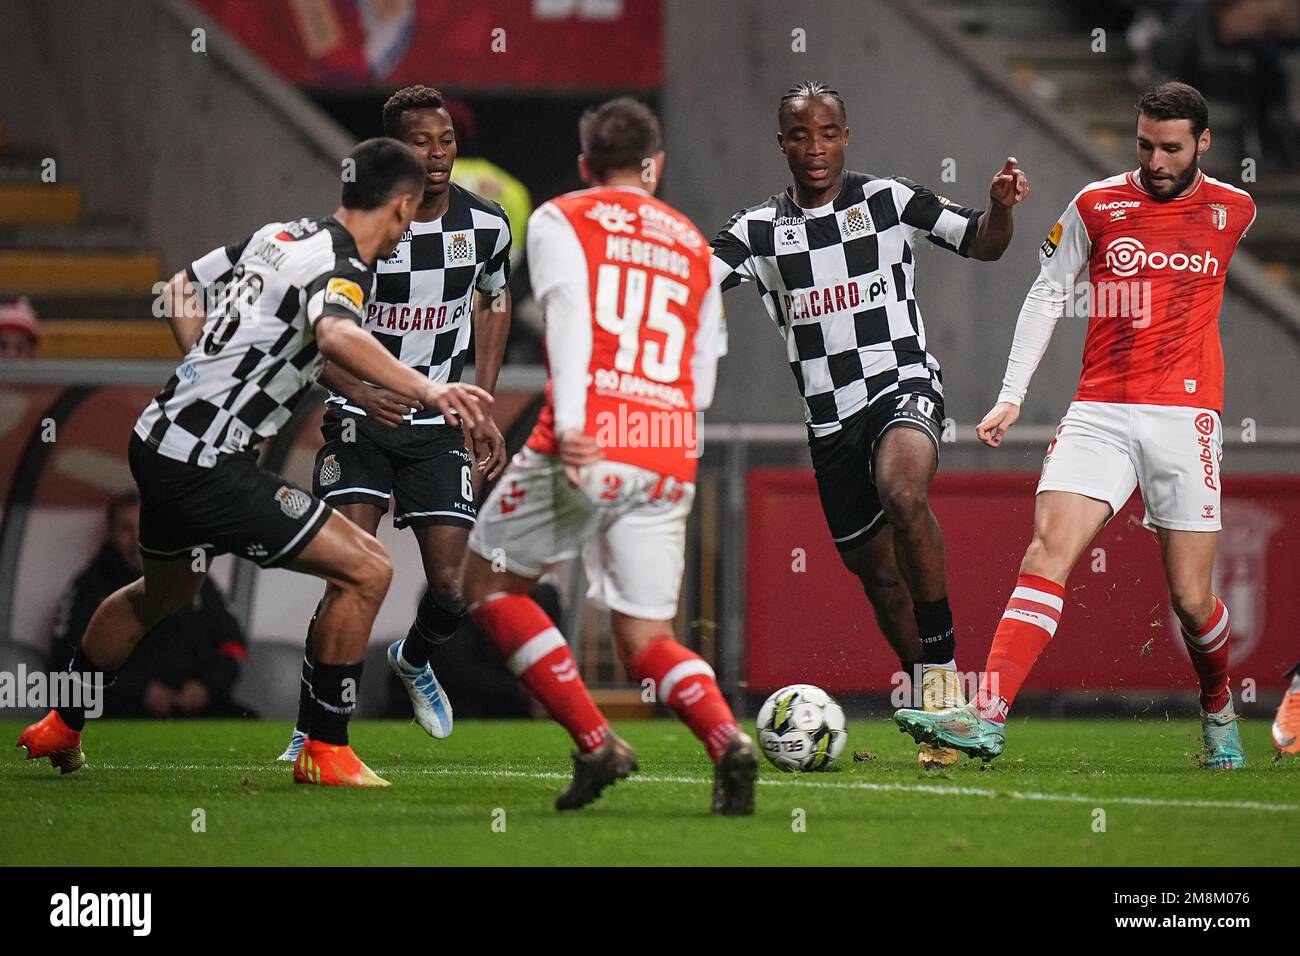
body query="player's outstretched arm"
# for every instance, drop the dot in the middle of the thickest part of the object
(341, 340)
(381, 405)
(1010, 187)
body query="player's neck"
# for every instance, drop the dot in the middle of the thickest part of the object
(815, 199)
(365, 232)
(431, 209)
(631, 180)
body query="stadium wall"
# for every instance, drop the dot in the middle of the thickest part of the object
(913, 107)
(109, 91)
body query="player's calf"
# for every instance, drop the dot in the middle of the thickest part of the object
(684, 681)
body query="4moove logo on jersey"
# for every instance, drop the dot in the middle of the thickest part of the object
(77, 909)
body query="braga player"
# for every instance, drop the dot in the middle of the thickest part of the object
(1156, 243)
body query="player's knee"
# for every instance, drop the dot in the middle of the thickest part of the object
(152, 604)
(444, 586)
(905, 505)
(1045, 558)
(1192, 602)
(373, 574)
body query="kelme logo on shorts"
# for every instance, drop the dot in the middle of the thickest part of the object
(330, 472)
(293, 502)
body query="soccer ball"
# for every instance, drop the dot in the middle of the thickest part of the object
(801, 728)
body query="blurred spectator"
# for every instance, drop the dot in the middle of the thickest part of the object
(487, 179)
(19, 330)
(1187, 40)
(1268, 32)
(184, 667)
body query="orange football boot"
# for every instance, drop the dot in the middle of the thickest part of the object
(333, 765)
(1286, 725)
(51, 737)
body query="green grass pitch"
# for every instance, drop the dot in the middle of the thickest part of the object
(484, 796)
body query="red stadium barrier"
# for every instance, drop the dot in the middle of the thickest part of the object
(808, 620)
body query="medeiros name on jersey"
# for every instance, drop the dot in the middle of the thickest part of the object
(346, 293)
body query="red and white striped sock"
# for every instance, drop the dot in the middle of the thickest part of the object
(1208, 648)
(684, 682)
(538, 656)
(1028, 623)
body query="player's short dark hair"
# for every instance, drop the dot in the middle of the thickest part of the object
(418, 97)
(382, 168)
(1172, 101)
(809, 89)
(618, 134)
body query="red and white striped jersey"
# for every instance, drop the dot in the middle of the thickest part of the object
(633, 326)
(1156, 271)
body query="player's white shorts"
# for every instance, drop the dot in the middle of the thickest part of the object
(1172, 453)
(629, 525)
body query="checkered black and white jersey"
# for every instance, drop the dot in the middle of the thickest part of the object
(257, 356)
(424, 291)
(838, 283)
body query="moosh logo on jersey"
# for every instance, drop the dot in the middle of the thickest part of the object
(612, 217)
(1126, 256)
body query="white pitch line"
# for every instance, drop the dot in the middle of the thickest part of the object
(793, 781)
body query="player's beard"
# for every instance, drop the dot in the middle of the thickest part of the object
(1179, 184)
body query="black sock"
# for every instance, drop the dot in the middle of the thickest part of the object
(934, 628)
(433, 625)
(303, 723)
(913, 671)
(101, 681)
(334, 690)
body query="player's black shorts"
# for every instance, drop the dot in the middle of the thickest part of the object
(235, 507)
(424, 469)
(844, 462)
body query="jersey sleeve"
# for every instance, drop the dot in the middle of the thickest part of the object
(217, 265)
(1064, 253)
(342, 291)
(557, 266)
(1061, 257)
(495, 274)
(732, 257)
(710, 344)
(943, 222)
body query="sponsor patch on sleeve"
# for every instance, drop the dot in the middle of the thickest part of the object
(346, 293)
(1052, 241)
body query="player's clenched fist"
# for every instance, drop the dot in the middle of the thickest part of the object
(997, 422)
(462, 404)
(1010, 185)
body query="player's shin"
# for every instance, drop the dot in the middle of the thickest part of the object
(92, 682)
(333, 699)
(538, 656)
(686, 684)
(1028, 623)
(1208, 648)
(434, 624)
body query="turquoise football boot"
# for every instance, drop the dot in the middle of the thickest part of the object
(959, 727)
(1222, 741)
